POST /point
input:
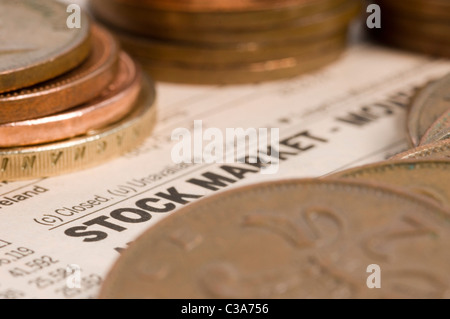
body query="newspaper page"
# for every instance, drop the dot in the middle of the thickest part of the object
(350, 113)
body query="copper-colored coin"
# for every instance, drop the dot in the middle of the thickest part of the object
(225, 6)
(309, 28)
(91, 149)
(36, 44)
(290, 239)
(421, 9)
(434, 150)
(439, 131)
(409, 27)
(243, 73)
(427, 107)
(112, 105)
(417, 43)
(142, 20)
(71, 89)
(205, 57)
(430, 178)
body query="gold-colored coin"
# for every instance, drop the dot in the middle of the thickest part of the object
(290, 239)
(36, 44)
(430, 178)
(83, 152)
(434, 150)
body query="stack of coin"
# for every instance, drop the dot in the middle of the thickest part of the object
(418, 25)
(229, 42)
(70, 98)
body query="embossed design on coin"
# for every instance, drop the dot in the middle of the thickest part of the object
(292, 239)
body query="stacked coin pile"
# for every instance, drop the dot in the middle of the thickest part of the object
(209, 42)
(418, 25)
(70, 98)
(311, 238)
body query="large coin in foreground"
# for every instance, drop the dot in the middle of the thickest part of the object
(290, 239)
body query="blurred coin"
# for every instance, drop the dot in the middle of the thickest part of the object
(94, 148)
(110, 106)
(36, 44)
(418, 9)
(225, 6)
(416, 25)
(141, 18)
(430, 178)
(290, 239)
(439, 149)
(242, 73)
(417, 43)
(439, 131)
(427, 107)
(307, 28)
(66, 91)
(205, 56)
(410, 28)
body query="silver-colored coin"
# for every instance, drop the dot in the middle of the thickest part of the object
(36, 43)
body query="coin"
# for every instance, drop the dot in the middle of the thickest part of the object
(290, 239)
(430, 178)
(415, 25)
(242, 73)
(418, 43)
(205, 57)
(94, 148)
(141, 18)
(222, 5)
(431, 30)
(439, 149)
(112, 105)
(309, 28)
(427, 107)
(68, 90)
(439, 131)
(429, 9)
(36, 44)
